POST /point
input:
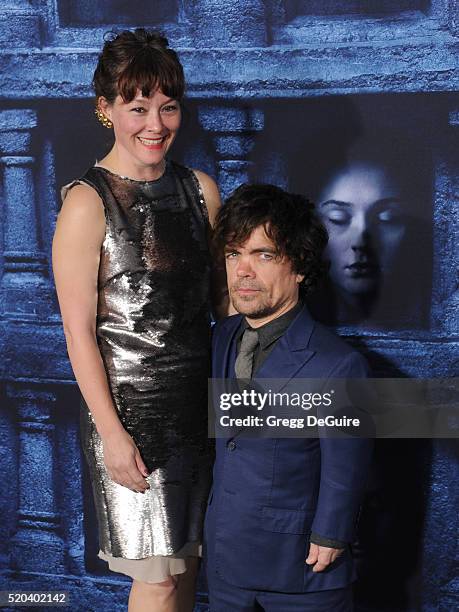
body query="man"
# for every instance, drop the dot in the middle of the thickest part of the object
(283, 511)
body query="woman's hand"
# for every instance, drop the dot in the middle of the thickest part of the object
(123, 461)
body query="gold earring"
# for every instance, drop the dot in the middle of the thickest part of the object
(103, 119)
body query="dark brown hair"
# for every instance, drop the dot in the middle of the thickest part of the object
(289, 220)
(138, 60)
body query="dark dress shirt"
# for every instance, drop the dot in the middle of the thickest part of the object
(268, 335)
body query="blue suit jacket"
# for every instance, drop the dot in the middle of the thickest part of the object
(269, 494)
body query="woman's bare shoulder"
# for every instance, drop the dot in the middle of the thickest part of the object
(81, 200)
(82, 214)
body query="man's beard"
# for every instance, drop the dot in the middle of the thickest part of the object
(251, 308)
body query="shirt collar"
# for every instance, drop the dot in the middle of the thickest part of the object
(272, 331)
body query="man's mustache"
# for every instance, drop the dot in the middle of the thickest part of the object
(237, 286)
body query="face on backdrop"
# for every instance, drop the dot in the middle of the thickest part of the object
(145, 129)
(362, 209)
(262, 284)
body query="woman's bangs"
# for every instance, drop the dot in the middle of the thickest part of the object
(146, 76)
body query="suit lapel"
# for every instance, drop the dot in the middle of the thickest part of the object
(225, 358)
(229, 346)
(290, 353)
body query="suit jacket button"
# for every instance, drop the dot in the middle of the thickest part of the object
(232, 445)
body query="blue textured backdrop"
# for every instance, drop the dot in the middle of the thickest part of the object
(248, 63)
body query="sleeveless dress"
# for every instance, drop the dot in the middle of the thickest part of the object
(153, 332)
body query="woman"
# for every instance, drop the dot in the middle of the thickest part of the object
(131, 266)
(372, 207)
(362, 209)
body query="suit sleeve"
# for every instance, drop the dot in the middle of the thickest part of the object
(345, 464)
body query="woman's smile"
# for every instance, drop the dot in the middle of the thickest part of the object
(153, 144)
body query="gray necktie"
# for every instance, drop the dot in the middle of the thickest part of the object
(244, 361)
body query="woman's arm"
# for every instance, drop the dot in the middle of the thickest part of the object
(211, 194)
(220, 299)
(77, 243)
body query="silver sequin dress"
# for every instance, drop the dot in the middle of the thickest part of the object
(153, 331)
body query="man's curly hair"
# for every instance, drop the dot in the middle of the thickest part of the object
(290, 222)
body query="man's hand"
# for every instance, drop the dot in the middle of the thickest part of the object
(321, 556)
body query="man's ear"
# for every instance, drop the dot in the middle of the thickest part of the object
(299, 278)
